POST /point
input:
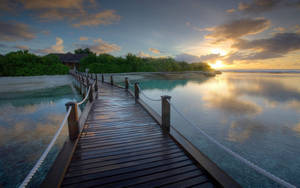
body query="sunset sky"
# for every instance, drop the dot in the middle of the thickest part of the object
(227, 34)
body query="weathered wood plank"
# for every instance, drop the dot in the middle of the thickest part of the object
(122, 146)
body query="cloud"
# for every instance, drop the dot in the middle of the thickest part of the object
(276, 46)
(238, 28)
(153, 50)
(41, 4)
(15, 31)
(193, 59)
(22, 47)
(101, 47)
(45, 32)
(258, 5)
(142, 54)
(280, 29)
(8, 5)
(83, 38)
(187, 57)
(102, 18)
(77, 12)
(57, 48)
(230, 10)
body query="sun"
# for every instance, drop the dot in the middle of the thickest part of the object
(218, 64)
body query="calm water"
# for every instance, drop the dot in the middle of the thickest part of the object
(31, 110)
(254, 114)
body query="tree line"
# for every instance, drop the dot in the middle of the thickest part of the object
(105, 63)
(23, 63)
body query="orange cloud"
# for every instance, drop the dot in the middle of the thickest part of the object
(230, 10)
(15, 31)
(102, 18)
(83, 38)
(100, 46)
(75, 11)
(156, 51)
(57, 48)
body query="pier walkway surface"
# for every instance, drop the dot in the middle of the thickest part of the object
(122, 146)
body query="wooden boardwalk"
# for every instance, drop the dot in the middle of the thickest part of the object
(122, 146)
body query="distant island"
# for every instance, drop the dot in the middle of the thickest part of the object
(23, 63)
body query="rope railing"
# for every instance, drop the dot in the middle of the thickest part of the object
(45, 153)
(86, 96)
(232, 153)
(149, 98)
(166, 123)
(51, 144)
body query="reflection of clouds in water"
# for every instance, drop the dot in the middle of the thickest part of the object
(270, 90)
(241, 130)
(296, 128)
(10, 109)
(231, 104)
(225, 93)
(30, 131)
(294, 104)
(218, 94)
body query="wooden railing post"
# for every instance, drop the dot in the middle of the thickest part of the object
(87, 83)
(136, 91)
(102, 79)
(165, 113)
(91, 94)
(80, 89)
(73, 125)
(96, 83)
(111, 80)
(126, 83)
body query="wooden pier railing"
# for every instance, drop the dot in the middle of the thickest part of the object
(89, 87)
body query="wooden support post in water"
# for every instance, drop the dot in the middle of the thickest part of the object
(165, 113)
(126, 83)
(73, 120)
(136, 91)
(91, 94)
(102, 78)
(96, 83)
(111, 80)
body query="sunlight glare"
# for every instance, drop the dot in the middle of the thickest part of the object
(217, 65)
(218, 51)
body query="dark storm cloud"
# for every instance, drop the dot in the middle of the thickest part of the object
(276, 46)
(15, 31)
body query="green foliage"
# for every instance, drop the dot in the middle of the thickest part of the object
(106, 63)
(83, 51)
(23, 63)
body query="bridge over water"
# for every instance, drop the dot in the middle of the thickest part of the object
(119, 141)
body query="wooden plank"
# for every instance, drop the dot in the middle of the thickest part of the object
(122, 145)
(128, 170)
(132, 175)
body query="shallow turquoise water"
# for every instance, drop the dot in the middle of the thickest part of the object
(254, 114)
(28, 121)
